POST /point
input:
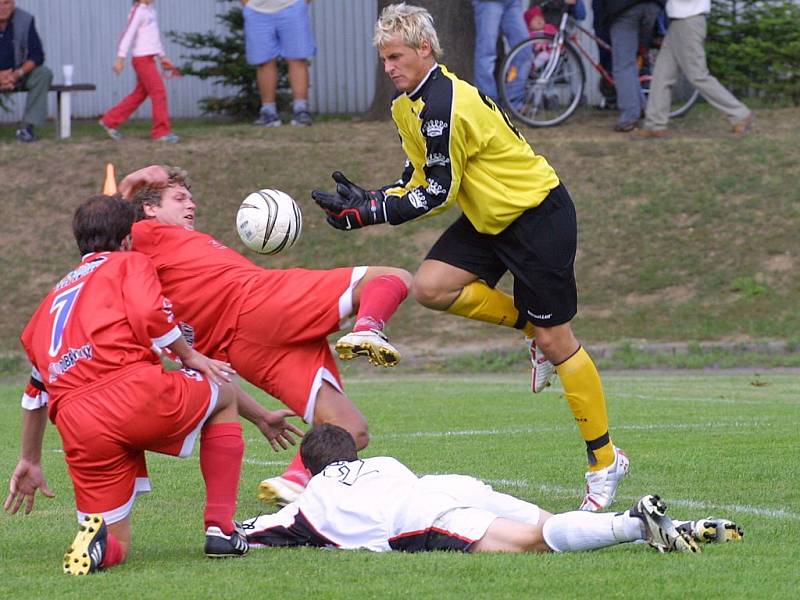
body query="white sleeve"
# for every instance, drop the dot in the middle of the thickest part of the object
(35, 395)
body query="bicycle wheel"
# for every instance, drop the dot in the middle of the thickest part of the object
(540, 85)
(684, 95)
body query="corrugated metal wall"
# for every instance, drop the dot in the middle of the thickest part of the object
(84, 33)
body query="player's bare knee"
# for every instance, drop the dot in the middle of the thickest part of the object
(429, 294)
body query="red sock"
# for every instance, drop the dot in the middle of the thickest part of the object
(296, 471)
(379, 299)
(221, 452)
(114, 553)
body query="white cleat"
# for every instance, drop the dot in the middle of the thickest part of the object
(711, 530)
(659, 530)
(371, 343)
(601, 486)
(278, 491)
(541, 369)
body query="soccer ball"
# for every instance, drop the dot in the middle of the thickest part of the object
(269, 221)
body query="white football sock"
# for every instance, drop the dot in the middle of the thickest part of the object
(581, 530)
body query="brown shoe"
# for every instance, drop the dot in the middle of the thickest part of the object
(650, 134)
(741, 128)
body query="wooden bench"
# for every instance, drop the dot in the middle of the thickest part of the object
(64, 105)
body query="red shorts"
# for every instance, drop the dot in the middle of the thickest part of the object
(281, 341)
(105, 434)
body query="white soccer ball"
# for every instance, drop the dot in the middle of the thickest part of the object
(269, 221)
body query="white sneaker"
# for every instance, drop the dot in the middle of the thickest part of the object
(541, 369)
(659, 530)
(372, 343)
(601, 486)
(279, 491)
(711, 530)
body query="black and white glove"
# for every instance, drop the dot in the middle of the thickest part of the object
(351, 207)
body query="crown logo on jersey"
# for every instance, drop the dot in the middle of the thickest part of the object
(434, 128)
(435, 188)
(437, 160)
(417, 199)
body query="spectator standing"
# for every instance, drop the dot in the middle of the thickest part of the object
(22, 65)
(683, 51)
(630, 24)
(274, 28)
(493, 17)
(142, 38)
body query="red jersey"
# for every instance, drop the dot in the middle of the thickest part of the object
(206, 280)
(98, 323)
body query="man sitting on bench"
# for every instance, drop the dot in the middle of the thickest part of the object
(22, 65)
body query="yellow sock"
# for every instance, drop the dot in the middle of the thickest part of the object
(585, 397)
(480, 302)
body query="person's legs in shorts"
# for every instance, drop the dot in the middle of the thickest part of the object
(539, 249)
(459, 276)
(109, 470)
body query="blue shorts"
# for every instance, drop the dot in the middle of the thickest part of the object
(286, 33)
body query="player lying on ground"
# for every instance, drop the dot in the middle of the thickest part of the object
(378, 504)
(517, 216)
(270, 324)
(97, 377)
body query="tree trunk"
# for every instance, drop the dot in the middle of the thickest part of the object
(455, 24)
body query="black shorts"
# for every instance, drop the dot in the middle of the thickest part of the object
(539, 250)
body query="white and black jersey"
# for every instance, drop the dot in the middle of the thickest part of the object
(378, 504)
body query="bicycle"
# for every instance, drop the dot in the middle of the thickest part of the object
(543, 78)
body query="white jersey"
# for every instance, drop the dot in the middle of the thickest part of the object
(378, 504)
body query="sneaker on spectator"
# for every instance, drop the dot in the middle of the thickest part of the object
(114, 134)
(268, 119)
(170, 138)
(302, 117)
(26, 136)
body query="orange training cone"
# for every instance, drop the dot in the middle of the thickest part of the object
(110, 183)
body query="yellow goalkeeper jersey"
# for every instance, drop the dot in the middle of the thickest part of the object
(462, 148)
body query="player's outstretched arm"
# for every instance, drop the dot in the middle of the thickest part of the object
(271, 423)
(28, 475)
(351, 206)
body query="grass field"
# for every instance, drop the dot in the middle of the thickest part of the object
(721, 443)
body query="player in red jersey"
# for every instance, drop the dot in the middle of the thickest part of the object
(270, 324)
(97, 377)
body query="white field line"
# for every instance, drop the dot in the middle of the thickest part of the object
(728, 511)
(524, 430)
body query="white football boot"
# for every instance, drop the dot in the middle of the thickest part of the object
(371, 343)
(541, 369)
(711, 530)
(601, 486)
(278, 491)
(659, 530)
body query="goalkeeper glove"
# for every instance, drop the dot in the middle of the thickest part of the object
(351, 207)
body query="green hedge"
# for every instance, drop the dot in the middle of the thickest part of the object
(753, 47)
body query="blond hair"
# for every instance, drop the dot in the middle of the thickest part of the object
(413, 24)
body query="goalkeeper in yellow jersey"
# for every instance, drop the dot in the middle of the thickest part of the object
(517, 216)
